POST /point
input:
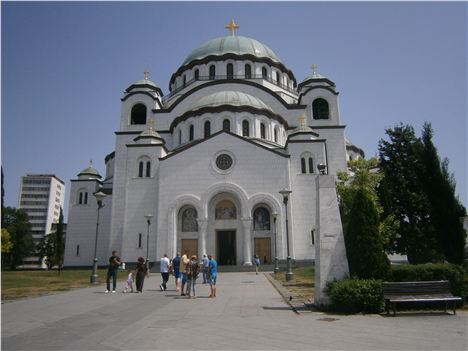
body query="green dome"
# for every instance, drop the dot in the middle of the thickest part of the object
(232, 44)
(234, 98)
(90, 171)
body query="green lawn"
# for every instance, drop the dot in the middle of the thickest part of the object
(21, 284)
(303, 284)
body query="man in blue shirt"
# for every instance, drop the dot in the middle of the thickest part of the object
(213, 270)
(176, 270)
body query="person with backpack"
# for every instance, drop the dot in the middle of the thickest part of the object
(192, 274)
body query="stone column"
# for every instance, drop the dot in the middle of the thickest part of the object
(331, 262)
(247, 225)
(202, 226)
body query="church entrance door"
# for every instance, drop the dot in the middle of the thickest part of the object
(263, 249)
(190, 246)
(226, 247)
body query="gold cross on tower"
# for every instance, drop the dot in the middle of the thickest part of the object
(146, 74)
(314, 70)
(232, 26)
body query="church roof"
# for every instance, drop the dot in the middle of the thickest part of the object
(234, 98)
(232, 44)
(90, 171)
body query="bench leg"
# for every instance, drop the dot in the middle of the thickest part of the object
(394, 309)
(454, 307)
(446, 303)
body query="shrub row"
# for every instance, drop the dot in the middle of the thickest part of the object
(365, 295)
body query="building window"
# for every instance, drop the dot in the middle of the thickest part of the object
(189, 220)
(311, 165)
(312, 236)
(140, 169)
(276, 135)
(261, 219)
(227, 125)
(85, 198)
(224, 162)
(212, 72)
(207, 131)
(248, 71)
(139, 240)
(262, 131)
(184, 80)
(138, 114)
(148, 169)
(245, 128)
(197, 74)
(180, 137)
(80, 201)
(225, 209)
(278, 77)
(320, 109)
(303, 165)
(77, 250)
(264, 73)
(230, 71)
(191, 133)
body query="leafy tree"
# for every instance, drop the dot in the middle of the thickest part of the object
(47, 249)
(16, 222)
(3, 194)
(7, 245)
(402, 194)
(445, 209)
(364, 246)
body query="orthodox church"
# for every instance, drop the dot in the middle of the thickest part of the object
(201, 169)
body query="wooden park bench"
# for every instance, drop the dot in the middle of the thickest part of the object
(409, 292)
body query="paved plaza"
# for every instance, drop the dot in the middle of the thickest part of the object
(248, 314)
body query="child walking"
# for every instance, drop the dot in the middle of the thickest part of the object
(129, 283)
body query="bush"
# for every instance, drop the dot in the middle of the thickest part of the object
(456, 275)
(356, 295)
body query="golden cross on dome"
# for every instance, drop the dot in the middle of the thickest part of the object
(151, 123)
(302, 120)
(146, 74)
(232, 26)
(314, 70)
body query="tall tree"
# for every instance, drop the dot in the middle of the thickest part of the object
(402, 194)
(60, 244)
(446, 209)
(364, 246)
(3, 195)
(16, 221)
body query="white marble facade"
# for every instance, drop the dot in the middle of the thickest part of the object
(208, 160)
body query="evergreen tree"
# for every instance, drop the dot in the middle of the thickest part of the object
(402, 194)
(47, 249)
(16, 221)
(60, 244)
(364, 246)
(446, 209)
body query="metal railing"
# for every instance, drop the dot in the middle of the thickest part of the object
(227, 77)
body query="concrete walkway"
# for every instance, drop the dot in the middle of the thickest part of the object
(248, 314)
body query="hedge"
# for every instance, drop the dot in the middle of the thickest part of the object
(356, 295)
(457, 275)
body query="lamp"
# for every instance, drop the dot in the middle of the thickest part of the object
(99, 195)
(148, 222)
(289, 273)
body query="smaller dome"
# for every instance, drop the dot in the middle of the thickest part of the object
(149, 136)
(89, 171)
(144, 83)
(233, 98)
(314, 76)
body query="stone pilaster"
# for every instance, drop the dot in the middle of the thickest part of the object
(247, 225)
(331, 262)
(202, 226)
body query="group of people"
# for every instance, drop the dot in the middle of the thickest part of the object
(185, 271)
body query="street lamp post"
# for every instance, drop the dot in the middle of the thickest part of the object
(276, 269)
(148, 221)
(100, 195)
(289, 273)
(321, 168)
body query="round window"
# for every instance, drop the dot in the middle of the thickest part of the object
(224, 162)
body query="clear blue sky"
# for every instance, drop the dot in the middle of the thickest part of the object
(65, 66)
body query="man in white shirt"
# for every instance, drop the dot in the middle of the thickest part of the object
(164, 269)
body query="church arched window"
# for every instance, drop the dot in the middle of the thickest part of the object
(80, 201)
(227, 125)
(245, 128)
(248, 71)
(225, 209)
(189, 220)
(180, 137)
(261, 219)
(320, 109)
(262, 131)
(207, 129)
(303, 165)
(191, 132)
(264, 73)
(311, 165)
(141, 165)
(230, 71)
(212, 72)
(197, 74)
(82, 197)
(138, 114)
(184, 80)
(276, 134)
(278, 79)
(148, 169)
